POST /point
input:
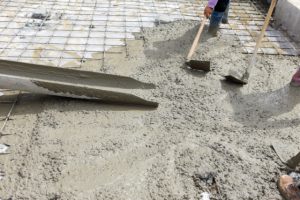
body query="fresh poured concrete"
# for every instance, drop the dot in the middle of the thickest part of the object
(82, 150)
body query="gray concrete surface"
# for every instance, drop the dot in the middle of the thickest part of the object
(287, 15)
(78, 150)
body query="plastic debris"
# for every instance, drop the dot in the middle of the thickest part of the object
(3, 148)
(1, 176)
(205, 196)
(40, 13)
(295, 175)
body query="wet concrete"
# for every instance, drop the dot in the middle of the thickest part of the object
(82, 150)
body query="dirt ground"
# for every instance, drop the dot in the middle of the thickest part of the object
(205, 136)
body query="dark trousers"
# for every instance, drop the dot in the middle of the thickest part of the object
(221, 11)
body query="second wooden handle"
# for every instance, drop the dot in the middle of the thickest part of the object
(196, 40)
(265, 26)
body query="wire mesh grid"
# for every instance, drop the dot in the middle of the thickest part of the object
(66, 33)
(246, 20)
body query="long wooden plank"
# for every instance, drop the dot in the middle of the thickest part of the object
(71, 83)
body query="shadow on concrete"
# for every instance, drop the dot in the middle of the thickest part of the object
(193, 72)
(34, 103)
(256, 110)
(180, 46)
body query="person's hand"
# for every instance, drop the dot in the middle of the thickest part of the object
(207, 11)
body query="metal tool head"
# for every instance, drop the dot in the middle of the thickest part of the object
(236, 80)
(199, 65)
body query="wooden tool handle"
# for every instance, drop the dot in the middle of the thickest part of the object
(196, 40)
(264, 28)
(259, 39)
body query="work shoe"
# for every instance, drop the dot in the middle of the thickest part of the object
(296, 79)
(213, 31)
(224, 21)
(288, 188)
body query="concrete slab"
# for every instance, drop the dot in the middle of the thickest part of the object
(287, 15)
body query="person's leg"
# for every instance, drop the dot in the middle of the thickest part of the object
(215, 20)
(226, 13)
(216, 16)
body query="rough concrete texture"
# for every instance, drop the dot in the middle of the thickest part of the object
(206, 135)
(288, 16)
